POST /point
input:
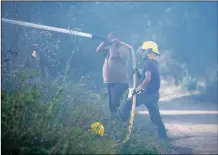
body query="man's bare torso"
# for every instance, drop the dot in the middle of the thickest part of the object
(115, 68)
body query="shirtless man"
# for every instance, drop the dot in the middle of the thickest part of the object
(115, 69)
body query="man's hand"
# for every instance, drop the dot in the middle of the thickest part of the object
(136, 91)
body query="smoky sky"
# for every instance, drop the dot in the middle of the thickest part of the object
(188, 29)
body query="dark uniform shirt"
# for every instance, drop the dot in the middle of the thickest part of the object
(154, 85)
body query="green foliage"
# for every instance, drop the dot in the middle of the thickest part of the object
(61, 125)
(141, 147)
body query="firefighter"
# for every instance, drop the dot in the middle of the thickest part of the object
(148, 90)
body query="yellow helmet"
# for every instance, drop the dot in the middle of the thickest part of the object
(150, 45)
(97, 128)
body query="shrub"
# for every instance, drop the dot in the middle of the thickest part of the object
(31, 123)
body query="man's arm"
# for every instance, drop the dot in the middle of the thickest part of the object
(145, 81)
(126, 45)
(129, 47)
(139, 75)
(102, 47)
(113, 49)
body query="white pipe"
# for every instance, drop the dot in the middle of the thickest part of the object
(50, 28)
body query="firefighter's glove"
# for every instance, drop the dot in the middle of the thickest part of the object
(135, 91)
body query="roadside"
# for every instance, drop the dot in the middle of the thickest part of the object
(192, 126)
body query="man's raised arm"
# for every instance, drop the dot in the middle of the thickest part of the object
(127, 45)
(101, 47)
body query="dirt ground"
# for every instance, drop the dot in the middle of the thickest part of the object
(192, 125)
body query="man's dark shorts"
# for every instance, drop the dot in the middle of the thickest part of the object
(115, 92)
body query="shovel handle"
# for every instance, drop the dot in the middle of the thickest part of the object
(99, 37)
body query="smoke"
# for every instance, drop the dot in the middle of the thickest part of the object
(176, 81)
